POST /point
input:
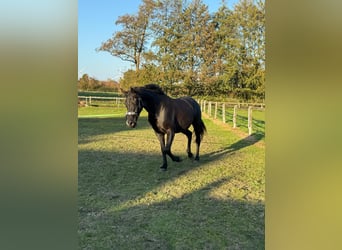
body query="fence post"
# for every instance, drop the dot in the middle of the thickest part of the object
(215, 116)
(249, 120)
(209, 109)
(90, 100)
(223, 113)
(234, 116)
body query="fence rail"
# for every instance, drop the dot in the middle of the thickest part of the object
(230, 110)
(101, 100)
(239, 114)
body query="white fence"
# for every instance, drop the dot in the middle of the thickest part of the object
(101, 100)
(213, 109)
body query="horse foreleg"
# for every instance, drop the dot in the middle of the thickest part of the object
(161, 138)
(169, 139)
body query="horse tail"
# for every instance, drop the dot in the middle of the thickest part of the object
(198, 123)
(201, 128)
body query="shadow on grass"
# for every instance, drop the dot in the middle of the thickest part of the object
(90, 127)
(257, 125)
(154, 218)
(245, 142)
(126, 202)
(195, 220)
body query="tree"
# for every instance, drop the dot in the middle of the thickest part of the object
(83, 82)
(182, 32)
(130, 43)
(128, 80)
(196, 23)
(241, 40)
(167, 41)
(250, 23)
(179, 45)
(89, 83)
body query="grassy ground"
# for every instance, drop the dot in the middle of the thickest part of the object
(126, 202)
(84, 112)
(258, 120)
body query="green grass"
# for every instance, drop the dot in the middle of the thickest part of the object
(126, 202)
(103, 111)
(258, 120)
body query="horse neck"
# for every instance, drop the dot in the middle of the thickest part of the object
(150, 100)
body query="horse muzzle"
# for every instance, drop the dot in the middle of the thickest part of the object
(131, 124)
(131, 119)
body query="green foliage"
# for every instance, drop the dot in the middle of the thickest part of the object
(192, 51)
(146, 75)
(129, 79)
(87, 83)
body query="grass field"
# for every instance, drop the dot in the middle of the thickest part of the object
(126, 202)
(258, 119)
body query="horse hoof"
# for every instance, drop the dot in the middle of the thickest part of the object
(176, 159)
(190, 155)
(197, 158)
(163, 168)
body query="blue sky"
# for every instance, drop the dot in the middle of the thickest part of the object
(96, 24)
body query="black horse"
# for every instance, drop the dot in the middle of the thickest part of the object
(166, 116)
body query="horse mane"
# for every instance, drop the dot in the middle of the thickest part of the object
(155, 88)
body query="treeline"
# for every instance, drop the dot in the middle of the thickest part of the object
(187, 50)
(89, 83)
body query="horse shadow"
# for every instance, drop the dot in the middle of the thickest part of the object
(231, 149)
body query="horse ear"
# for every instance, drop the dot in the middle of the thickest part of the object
(133, 90)
(123, 91)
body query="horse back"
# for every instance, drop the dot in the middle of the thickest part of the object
(190, 105)
(177, 114)
(187, 111)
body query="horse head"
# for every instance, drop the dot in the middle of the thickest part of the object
(134, 106)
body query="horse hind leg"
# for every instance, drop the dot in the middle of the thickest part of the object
(198, 142)
(188, 134)
(199, 133)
